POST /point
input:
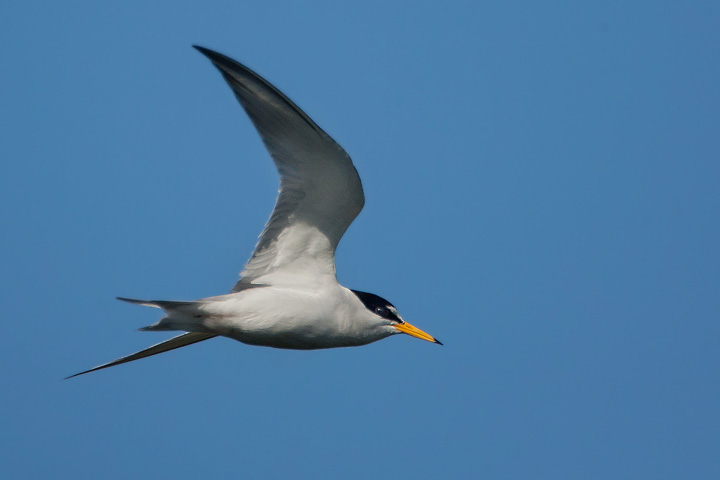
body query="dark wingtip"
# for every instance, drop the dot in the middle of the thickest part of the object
(222, 62)
(99, 367)
(211, 54)
(77, 374)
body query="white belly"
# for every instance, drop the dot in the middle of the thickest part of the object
(291, 318)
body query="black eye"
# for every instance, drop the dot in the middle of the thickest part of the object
(382, 311)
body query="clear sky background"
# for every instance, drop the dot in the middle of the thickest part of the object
(542, 183)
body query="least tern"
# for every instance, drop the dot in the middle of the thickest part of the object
(288, 295)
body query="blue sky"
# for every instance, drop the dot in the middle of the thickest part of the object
(542, 196)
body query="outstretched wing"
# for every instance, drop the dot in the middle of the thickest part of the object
(175, 342)
(320, 190)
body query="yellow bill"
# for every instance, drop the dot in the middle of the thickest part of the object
(416, 332)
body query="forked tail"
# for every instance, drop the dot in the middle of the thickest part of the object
(164, 304)
(181, 315)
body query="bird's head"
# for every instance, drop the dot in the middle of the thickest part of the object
(389, 318)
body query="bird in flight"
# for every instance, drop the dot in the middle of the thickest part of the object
(288, 295)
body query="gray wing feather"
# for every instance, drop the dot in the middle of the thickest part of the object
(175, 342)
(320, 190)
